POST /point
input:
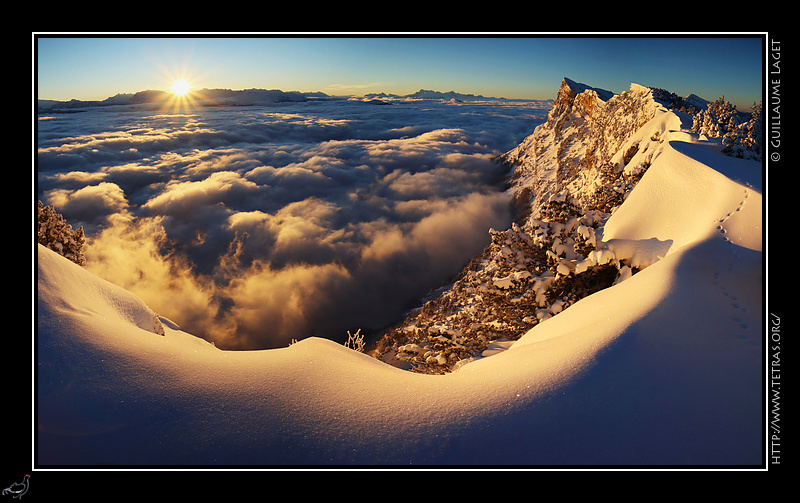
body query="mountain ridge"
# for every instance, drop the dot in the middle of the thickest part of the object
(567, 178)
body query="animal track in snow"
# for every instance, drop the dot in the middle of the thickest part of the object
(738, 309)
(721, 221)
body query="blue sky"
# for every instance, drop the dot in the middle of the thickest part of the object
(94, 67)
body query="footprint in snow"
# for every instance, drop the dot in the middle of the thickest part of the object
(738, 308)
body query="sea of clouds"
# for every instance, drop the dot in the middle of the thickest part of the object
(253, 226)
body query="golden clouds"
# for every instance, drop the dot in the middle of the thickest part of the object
(252, 227)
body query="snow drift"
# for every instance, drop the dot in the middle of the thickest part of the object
(663, 368)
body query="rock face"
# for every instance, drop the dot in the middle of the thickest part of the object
(571, 152)
(568, 176)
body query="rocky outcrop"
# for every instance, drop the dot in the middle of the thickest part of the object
(569, 154)
(580, 97)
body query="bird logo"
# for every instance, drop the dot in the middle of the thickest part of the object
(17, 489)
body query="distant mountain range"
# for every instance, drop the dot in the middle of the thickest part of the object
(426, 94)
(228, 97)
(203, 97)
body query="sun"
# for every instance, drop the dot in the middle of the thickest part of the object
(180, 87)
(183, 97)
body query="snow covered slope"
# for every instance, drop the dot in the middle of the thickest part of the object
(662, 368)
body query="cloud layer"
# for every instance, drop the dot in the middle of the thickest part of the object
(253, 226)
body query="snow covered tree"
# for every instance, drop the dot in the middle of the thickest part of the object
(740, 137)
(731, 136)
(753, 138)
(716, 119)
(56, 234)
(747, 139)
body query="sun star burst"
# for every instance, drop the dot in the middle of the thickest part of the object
(180, 87)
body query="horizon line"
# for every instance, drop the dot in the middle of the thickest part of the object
(98, 100)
